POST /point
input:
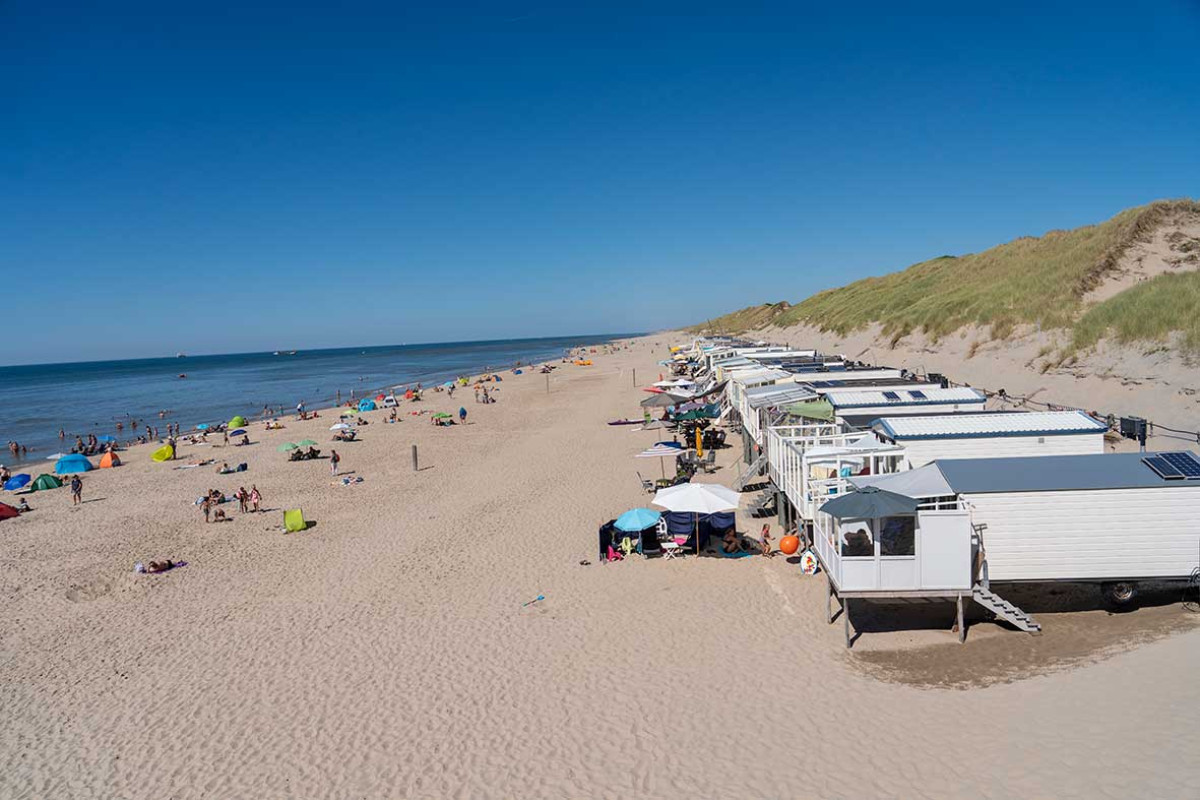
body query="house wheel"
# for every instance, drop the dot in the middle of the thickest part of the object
(1120, 594)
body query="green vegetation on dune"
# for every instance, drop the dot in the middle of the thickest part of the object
(746, 319)
(1150, 311)
(1040, 281)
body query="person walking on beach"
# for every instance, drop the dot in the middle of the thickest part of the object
(76, 490)
(462, 415)
(334, 460)
(227, 438)
(242, 497)
(255, 498)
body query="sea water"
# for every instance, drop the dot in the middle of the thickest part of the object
(38, 400)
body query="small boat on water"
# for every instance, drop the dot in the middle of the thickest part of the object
(181, 355)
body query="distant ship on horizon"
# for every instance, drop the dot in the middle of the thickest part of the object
(284, 353)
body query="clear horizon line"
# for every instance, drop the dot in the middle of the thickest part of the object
(615, 334)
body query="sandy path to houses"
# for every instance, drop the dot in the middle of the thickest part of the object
(385, 652)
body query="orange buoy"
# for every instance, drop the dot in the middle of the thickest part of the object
(788, 545)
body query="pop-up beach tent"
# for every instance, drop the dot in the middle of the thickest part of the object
(8, 512)
(366, 405)
(237, 422)
(43, 482)
(164, 453)
(109, 460)
(72, 463)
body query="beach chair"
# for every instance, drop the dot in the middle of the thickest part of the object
(709, 464)
(647, 486)
(293, 520)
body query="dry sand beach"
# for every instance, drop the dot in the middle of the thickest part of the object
(386, 651)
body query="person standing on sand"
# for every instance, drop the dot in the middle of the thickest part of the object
(206, 507)
(334, 460)
(242, 497)
(255, 498)
(462, 415)
(226, 438)
(76, 490)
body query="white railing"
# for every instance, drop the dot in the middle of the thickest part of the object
(825, 542)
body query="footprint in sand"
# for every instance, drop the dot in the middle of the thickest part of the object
(91, 590)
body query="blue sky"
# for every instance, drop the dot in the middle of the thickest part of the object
(232, 177)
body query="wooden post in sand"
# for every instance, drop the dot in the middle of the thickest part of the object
(415, 458)
(635, 377)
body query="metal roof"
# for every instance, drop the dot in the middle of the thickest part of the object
(841, 398)
(987, 426)
(926, 481)
(755, 376)
(777, 394)
(1054, 474)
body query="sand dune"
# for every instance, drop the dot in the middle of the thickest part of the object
(385, 652)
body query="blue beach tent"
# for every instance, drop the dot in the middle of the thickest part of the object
(366, 405)
(75, 462)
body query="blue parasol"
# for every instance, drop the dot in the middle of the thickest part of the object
(637, 519)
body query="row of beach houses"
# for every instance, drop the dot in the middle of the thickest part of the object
(992, 496)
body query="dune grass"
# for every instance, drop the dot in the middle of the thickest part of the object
(1148, 312)
(746, 319)
(1039, 281)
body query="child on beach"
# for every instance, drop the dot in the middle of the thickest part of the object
(76, 490)
(766, 541)
(206, 507)
(334, 460)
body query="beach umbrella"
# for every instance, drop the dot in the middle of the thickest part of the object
(660, 451)
(637, 519)
(441, 415)
(870, 502)
(238, 432)
(56, 456)
(16, 482)
(447, 384)
(203, 426)
(341, 426)
(656, 425)
(307, 443)
(346, 412)
(697, 498)
(283, 448)
(663, 400)
(44, 482)
(74, 462)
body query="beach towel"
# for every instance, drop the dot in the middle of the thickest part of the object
(293, 520)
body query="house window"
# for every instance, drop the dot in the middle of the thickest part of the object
(897, 536)
(857, 541)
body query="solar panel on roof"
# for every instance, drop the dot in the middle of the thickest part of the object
(891, 395)
(1184, 462)
(918, 395)
(1164, 468)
